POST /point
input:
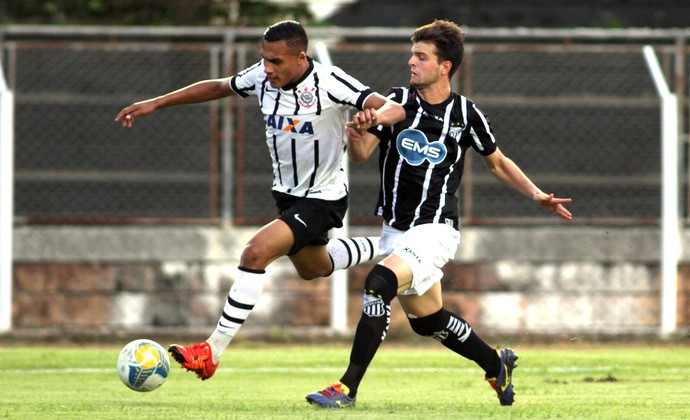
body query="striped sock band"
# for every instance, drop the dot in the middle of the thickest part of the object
(346, 252)
(243, 295)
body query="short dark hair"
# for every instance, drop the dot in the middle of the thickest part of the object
(447, 37)
(289, 31)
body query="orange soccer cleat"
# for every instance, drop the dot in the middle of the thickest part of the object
(197, 358)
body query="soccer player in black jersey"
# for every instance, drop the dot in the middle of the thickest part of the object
(421, 162)
(305, 107)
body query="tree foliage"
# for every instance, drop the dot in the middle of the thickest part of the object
(151, 12)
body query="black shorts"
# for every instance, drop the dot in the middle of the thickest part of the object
(310, 219)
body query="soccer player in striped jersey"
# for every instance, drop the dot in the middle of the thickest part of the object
(421, 162)
(305, 107)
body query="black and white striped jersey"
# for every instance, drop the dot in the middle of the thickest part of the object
(422, 158)
(304, 126)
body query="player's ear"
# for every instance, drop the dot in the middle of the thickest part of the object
(446, 67)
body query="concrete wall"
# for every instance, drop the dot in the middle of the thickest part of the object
(504, 280)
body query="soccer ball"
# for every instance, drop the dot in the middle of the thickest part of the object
(143, 365)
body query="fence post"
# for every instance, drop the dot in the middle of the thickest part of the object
(670, 215)
(339, 277)
(6, 201)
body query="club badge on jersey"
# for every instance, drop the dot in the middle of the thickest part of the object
(306, 97)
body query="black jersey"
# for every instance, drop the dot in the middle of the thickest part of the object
(421, 158)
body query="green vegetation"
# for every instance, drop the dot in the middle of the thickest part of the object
(152, 12)
(426, 382)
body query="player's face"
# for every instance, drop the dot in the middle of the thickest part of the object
(424, 66)
(283, 65)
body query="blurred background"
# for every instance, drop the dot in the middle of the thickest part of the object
(121, 232)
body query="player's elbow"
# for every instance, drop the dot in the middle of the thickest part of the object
(357, 156)
(496, 164)
(393, 114)
(496, 171)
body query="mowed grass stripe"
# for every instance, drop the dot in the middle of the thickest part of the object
(550, 369)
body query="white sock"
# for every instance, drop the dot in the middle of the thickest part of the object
(218, 342)
(346, 252)
(243, 295)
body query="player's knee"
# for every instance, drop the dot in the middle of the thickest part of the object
(430, 325)
(255, 256)
(381, 282)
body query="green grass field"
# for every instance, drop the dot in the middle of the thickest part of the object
(270, 382)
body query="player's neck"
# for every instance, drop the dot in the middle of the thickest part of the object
(434, 93)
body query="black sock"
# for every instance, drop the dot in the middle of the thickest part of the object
(456, 334)
(380, 288)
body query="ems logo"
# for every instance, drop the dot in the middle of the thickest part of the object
(306, 97)
(415, 148)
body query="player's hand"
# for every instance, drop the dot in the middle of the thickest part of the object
(127, 115)
(353, 134)
(555, 205)
(363, 120)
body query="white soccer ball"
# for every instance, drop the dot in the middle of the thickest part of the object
(143, 365)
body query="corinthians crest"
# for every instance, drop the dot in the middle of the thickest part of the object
(306, 96)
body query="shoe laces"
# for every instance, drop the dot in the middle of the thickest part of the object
(334, 390)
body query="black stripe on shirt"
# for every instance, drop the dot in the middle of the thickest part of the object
(318, 96)
(275, 152)
(316, 166)
(294, 162)
(338, 101)
(345, 82)
(294, 94)
(263, 91)
(275, 109)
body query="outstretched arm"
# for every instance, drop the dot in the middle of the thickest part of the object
(203, 91)
(510, 174)
(381, 110)
(378, 111)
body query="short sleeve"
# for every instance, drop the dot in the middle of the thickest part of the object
(244, 82)
(346, 91)
(479, 128)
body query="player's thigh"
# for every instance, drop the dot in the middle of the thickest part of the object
(425, 249)
(271, 241)
(402, 271)
(420, 306)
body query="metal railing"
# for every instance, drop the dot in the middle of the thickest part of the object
(576, 109)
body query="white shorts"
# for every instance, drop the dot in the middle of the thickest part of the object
(425, 248)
